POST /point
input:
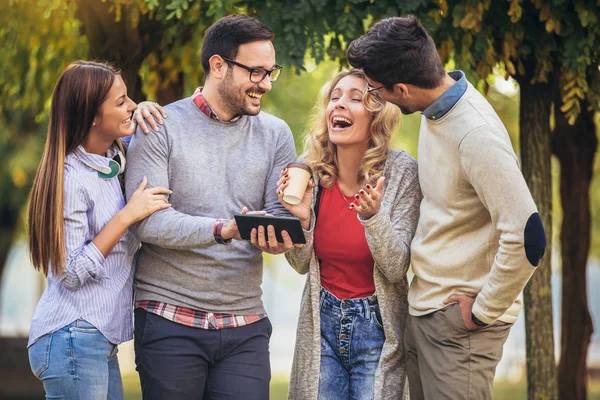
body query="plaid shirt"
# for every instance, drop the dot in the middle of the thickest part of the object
(203, 106)
(195, 318)
(187, 316)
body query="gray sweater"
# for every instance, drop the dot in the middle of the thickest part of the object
(388, 234)
(214, 169)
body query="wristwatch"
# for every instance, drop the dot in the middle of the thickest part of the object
(477, 321)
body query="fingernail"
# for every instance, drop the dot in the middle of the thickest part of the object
(356, 196)
(284, 182)
(361, 191)
(160, 121)
(368, 186)
(287, 176)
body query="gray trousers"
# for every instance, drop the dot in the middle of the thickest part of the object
(445, 361)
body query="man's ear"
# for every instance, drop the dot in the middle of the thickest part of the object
(218, 66)
(400, 90)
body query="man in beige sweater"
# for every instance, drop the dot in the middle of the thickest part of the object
(479, 237)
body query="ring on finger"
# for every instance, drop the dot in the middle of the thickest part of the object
(363, 207)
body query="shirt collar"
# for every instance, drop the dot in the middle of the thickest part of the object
(96, 161)
(205, 108)
(448, 99)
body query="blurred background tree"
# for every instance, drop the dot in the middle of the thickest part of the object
(548, 46)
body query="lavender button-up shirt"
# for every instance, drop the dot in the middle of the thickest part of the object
(96, 289)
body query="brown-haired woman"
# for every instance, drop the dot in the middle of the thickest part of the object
(359, 219)
(78, 235)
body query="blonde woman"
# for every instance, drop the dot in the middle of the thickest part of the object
(360, 217)
(79, 235)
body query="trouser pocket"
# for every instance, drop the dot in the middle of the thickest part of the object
(39, 355)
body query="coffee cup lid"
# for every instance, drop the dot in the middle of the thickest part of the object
(301, 165)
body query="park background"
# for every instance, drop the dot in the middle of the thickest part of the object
(537, 61)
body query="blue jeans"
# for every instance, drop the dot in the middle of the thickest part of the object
(351, 340)
(77, 362)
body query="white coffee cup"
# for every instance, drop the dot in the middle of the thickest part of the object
(299, 175)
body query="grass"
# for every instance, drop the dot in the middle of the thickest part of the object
(279, 387)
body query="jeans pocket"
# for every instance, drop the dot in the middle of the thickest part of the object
(39, 355)
(84, 329)
(376, 315)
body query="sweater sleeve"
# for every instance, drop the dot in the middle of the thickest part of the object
(299, 257)
(148, 155)
(286, 153)
(492, 169)
(390, 232)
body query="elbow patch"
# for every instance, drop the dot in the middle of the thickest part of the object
(535, 239)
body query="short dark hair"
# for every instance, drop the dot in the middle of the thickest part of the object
(398, 50)
(225, 36)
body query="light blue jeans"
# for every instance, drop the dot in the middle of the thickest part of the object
(352, 337)
(77, 362)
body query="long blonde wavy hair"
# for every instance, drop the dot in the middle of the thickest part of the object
(321, 154)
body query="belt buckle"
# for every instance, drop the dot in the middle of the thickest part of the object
(373, 298)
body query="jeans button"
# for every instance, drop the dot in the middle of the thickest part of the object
(342, 350)
(343, 336)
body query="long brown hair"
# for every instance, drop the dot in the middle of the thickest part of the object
(321, 154)
(80, 90)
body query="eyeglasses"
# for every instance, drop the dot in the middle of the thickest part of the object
(372, 89)
(258, 74)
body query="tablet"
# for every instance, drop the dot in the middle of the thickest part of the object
(246, 222)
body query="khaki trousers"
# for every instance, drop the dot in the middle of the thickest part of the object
(445, 361)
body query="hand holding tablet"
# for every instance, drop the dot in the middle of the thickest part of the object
(247, 222)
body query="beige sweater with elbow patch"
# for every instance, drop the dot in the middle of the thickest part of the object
(471, 236)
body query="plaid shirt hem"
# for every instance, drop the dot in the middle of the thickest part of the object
(196, 318)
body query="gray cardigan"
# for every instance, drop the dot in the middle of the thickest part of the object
(389, 234)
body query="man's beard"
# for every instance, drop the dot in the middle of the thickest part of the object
(235, 101)
(406, 111)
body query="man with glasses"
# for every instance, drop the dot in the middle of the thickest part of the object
(200, 325)
(479, 236)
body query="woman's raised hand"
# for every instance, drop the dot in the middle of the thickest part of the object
(369, 199)
(144, 202)
(301, 210)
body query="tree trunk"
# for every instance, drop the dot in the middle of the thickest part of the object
(119, 42)
(170, 92)
(535, 140)
(575, 147)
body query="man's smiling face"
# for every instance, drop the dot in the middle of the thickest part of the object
(238, 93)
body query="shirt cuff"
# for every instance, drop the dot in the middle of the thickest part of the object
(97, 268)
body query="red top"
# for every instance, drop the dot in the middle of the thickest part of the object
(341, 246)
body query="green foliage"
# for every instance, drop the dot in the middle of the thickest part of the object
(531, 39)
(36, 47)
(321, 27)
